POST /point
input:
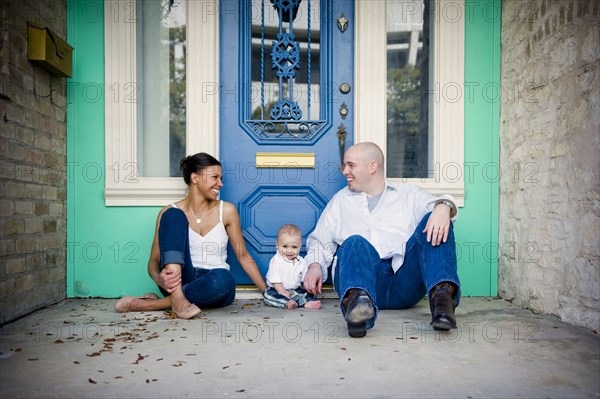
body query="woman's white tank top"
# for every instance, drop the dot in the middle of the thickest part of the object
(210, 251)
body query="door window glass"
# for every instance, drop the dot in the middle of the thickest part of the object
(409, 132)
(161, 78)
(285, 70)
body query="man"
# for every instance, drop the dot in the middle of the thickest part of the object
(393, 244)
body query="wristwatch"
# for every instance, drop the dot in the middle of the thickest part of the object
(450, 204)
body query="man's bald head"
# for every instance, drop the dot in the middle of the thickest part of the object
(363, 168)
(370, 152)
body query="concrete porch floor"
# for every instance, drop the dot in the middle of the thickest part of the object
(82, 348)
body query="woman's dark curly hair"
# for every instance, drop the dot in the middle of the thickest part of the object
(195, 164)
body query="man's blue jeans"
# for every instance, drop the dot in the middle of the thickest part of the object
(206, 288)
(359, 266)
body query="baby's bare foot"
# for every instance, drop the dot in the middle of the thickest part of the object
(291, 304)
(313, 305)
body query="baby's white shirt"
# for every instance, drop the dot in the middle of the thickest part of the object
(282, 270)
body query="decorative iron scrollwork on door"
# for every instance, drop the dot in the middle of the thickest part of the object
(285, 57)
(286, 100)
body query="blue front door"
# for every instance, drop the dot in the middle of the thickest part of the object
(286, 79)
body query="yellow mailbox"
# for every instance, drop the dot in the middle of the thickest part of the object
(49, 51)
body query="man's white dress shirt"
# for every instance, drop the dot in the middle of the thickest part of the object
(387, 227)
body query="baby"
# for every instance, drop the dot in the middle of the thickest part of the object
(286, 272)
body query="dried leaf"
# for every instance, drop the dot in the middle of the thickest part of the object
(58, 341)
(76, 362)
(33, 359)
(240, 390)
(225, 367)
(117, 377)
(158, 360)
(91, 381)
(147, 381)
(197, 372)
(94, 354)
(170, 314)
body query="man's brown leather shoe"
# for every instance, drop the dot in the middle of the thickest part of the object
(359, 310)
(442, 307)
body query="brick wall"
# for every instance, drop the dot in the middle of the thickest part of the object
(550, 133)
(32, 164)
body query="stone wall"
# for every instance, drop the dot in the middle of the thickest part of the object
(32, 164)
(550, 133)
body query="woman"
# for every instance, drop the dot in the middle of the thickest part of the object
(187, 260)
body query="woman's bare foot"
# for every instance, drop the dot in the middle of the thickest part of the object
(187, 312)
(313, 305)
(291, 304)
(183, 308)
(126, 303)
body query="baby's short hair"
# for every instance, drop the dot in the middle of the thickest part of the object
(290, 229)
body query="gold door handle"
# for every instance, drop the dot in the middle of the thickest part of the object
(341, 134)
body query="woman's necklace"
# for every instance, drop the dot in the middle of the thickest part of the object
(198, 219)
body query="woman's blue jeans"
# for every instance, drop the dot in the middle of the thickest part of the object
(359, 266)
(206, 288)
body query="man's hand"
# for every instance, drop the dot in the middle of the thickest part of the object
(169, 279)
(438, 225)
(313, 280)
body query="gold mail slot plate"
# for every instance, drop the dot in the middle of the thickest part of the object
(285, 160)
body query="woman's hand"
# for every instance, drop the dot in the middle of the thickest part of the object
(168, 279)
(231, 220)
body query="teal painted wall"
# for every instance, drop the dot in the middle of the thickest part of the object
(108, 247)
(477, 227)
